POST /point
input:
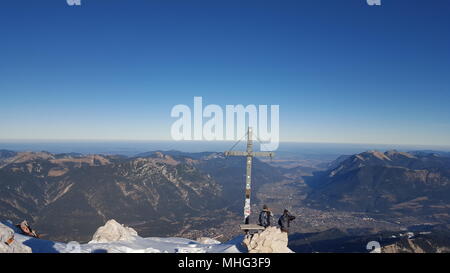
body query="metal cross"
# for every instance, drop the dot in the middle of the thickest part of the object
(248, 179)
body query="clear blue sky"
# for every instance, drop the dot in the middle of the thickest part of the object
(341, 71)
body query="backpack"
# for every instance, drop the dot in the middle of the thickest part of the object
(264, 218)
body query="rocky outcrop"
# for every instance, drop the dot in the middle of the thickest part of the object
(419, 245)
(8, 244)
(409, 247)
(271, 240)
(113, 231)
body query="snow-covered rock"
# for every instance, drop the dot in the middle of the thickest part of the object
(121, 239)
(8, 243)
(113, 231)
(271, 240)
(207, 241)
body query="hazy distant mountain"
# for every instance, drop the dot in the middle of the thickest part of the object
(6, 154)
(431, 152)
(390, 182)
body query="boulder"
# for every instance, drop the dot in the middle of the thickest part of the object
(113, 231)
(271, 240)
(8, 244)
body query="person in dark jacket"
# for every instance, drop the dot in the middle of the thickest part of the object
(265, 217)
(285, 221)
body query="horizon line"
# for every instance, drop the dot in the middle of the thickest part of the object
(206, 141)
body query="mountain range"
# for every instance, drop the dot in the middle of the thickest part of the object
(67, 196)
(390, 183)
(164, 193)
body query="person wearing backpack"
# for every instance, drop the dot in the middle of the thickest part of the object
(265, 217)
(285, 221)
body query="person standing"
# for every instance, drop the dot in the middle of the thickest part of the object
(285, 221)
(265, 217)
